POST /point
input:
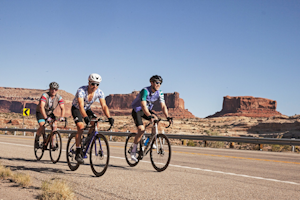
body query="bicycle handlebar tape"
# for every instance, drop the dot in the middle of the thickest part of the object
(111, 121)
(170, 118)
(149, 117)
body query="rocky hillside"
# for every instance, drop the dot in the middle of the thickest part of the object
(15, 99)
(247, 106)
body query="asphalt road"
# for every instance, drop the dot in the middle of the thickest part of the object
(194, 173)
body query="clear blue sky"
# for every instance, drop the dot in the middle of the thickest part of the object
(204, 50)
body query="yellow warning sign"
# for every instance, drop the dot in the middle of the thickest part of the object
(26, 111)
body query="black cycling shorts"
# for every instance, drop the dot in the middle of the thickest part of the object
(137, 117)
(78, 117)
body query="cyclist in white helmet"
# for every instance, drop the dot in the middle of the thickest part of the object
(81, 109)
(47, 104)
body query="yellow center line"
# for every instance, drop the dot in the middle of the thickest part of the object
(236, 157)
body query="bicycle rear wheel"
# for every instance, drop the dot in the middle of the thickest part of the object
(128, 148)
(161, 156)
(99, 155)
(38, 146)
(55, 147)
(71, 153)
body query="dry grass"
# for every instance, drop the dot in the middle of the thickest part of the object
(56, 189)
(5, 173)
(23, 180)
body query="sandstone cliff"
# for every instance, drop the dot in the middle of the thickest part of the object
(121, 103)
(247, 106)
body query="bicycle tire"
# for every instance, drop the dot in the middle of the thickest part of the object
(161, 157)
(99, 155)
(128, 147)
(55, 146)
(39, 150)
(71, 153)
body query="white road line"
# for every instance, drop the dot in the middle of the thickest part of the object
(192, 168)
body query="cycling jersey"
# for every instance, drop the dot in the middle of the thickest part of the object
(147, 95)
(50, 103)
(82, 92)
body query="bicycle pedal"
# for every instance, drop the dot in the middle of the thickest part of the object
(85, 156)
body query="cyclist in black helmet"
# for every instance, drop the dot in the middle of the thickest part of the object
(142, 106)
(47, 104)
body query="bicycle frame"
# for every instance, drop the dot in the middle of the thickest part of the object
(49, 136)
(153, 136)
(94, 133)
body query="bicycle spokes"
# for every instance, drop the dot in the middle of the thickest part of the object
(38, 147)
(55, 147)
(99, 155)
(160, 157)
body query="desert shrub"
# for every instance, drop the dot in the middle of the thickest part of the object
(191, 143)
(55, 190)
(276, 147)
(5, 173)
(23, 180)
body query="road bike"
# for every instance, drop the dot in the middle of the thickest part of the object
(50, 142)
(96, 145)
(158, 144)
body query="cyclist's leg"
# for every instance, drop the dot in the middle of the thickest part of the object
(41, 129)
(137, 117)
(91, 115)
(80, 126)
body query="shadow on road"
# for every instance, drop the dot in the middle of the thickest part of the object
(37, 169)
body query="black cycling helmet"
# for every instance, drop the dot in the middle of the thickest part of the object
(156, 78)
(53, 85)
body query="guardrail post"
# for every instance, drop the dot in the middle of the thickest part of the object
(25, 132)
(34, 134)
(184, 142)
(231, 145)
(5, 131)
(15, 133)
(293, 147)
(205, 143)
(110, 137)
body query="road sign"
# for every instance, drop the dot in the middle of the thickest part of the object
(26, 111)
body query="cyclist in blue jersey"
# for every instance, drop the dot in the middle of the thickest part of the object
(142, 106)
(47, 104)
(81, 109)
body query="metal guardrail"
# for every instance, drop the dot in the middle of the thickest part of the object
(253, 140)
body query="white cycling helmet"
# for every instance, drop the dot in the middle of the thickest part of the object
(95, 78)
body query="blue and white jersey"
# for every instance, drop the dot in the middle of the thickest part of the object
(147, 95)
(82, 92)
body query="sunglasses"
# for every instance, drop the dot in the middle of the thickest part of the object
(157, 83)
(96, 84)
(53, 89)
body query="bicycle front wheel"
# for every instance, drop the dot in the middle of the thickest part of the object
(99, 155)
(161, 156)
(55, 147)
(71, 153)
(128, 149)
(38, 146)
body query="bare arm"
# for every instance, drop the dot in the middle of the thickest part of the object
(62, 107)
(81, 107)
(145, 108)
(42, 109)
(104, 107)
(164, 109)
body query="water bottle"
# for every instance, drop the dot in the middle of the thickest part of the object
(146, 142)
